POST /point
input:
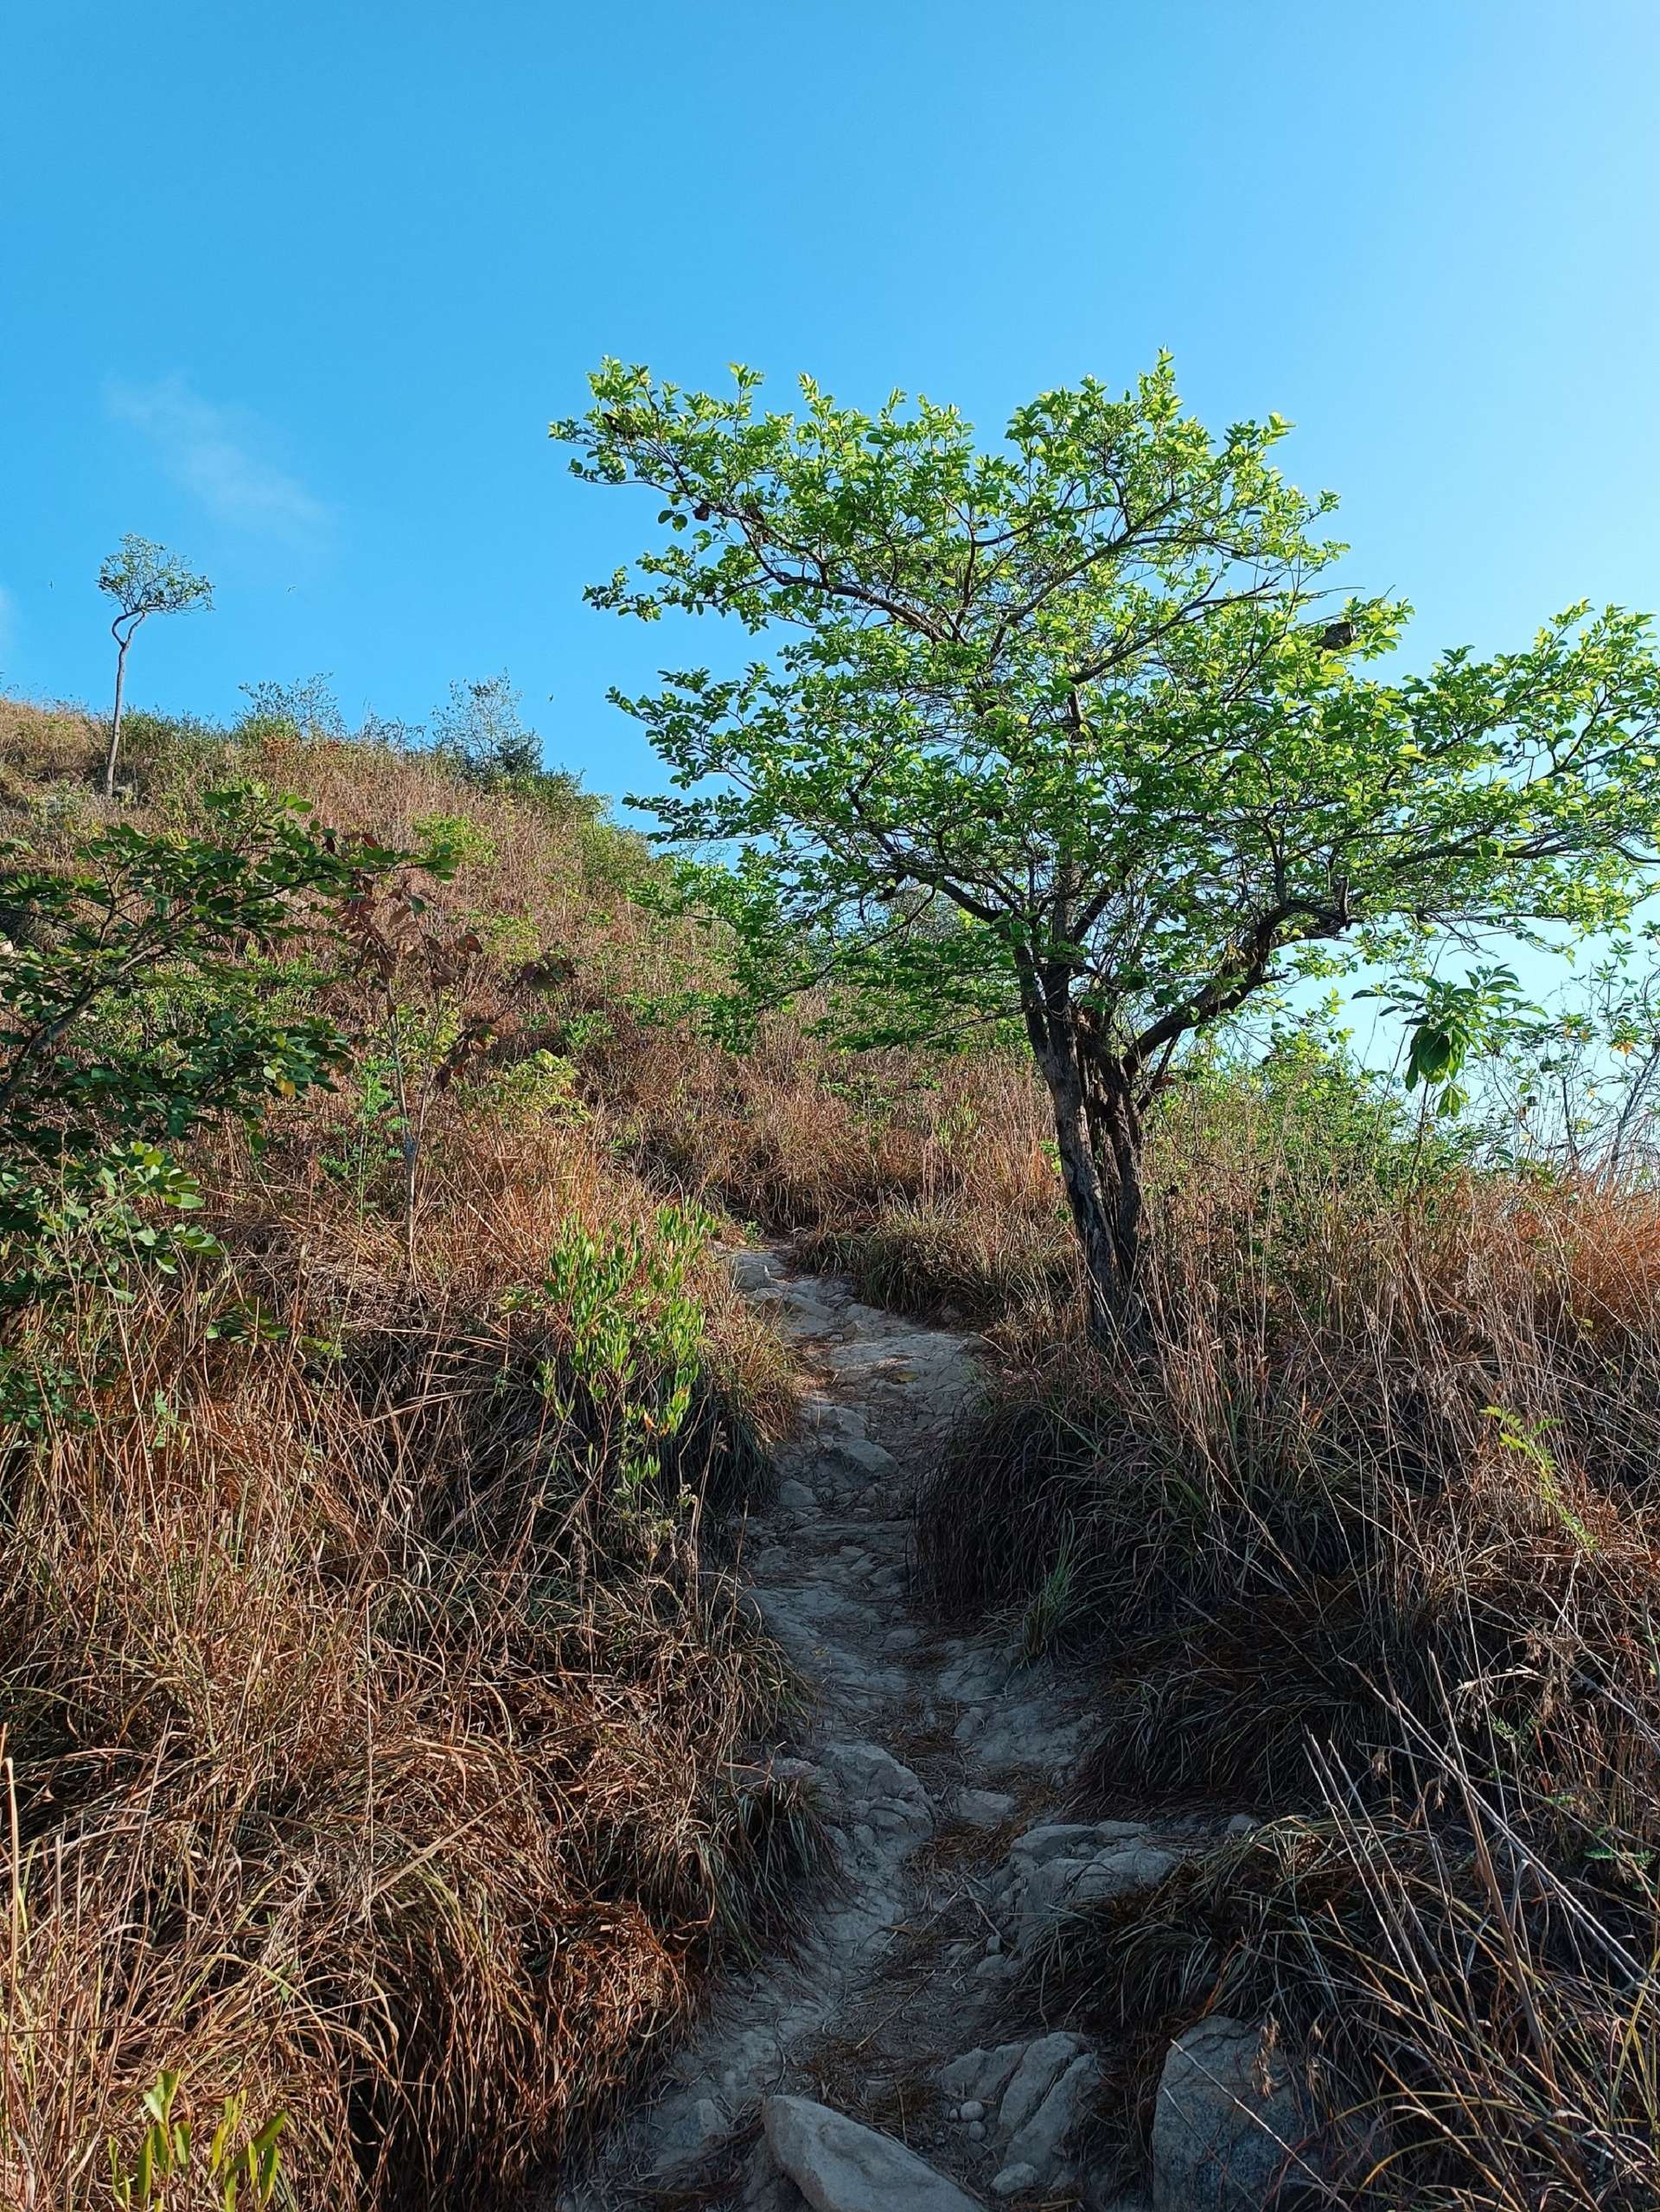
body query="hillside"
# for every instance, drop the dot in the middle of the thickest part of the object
(386, 1731)
(375, 1754)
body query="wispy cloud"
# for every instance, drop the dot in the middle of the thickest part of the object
(215, 453)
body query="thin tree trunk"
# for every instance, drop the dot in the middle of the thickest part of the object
(411, 1135)
(1118, 1140)
(1098, 1134)
(115, 718)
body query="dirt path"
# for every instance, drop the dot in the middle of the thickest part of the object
(933, 1755)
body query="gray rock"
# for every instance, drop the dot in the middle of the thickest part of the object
(1041, 1895)
(827, 1418)
(795, 1497)
(1041, 2066)
(869, 1459)
(982, 1809)
(1073, 1839)
(1042, 2143)
(686, 2126)
(766, 2190)
(786, 1768)
(840, 2166)
(1120, 1869)
(1013, 2179)
(1227, 2122)
(981, 2074)
(753, 1270)
(710, 2121)
(971, 2108)
(1055, 1839)
(1113, 1871)
(874, 1781)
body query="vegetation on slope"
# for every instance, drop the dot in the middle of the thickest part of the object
(378, 1731)
(375, 1736)
(1346, 1477)
(1059, 735)
(1367, 1548)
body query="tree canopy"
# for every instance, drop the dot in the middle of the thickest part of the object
(1071, 729)
(144, 579)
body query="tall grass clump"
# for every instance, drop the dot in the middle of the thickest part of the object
(929, 1180)
(1366, 1546)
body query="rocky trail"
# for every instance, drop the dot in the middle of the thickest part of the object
(872, 2055)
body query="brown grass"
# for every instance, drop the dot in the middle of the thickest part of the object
(1372, 1543)
(928, 1181)
(364, 1753)
(398, 1776)
(362, 1758)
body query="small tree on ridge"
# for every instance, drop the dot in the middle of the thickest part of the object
(1060, 732)
(143, 579)
(479, 730)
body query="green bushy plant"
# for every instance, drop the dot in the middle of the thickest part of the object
(136, 1005)
(238, 2169)
(633, 1331)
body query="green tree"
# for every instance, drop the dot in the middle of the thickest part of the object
(1060, 731)
(307, 707)
(478, 730)
(143, 579)
(137, 1003)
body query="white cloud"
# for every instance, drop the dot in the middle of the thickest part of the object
(212, 452)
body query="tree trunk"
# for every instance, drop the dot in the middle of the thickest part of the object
(115, 718)
(1098, 1132)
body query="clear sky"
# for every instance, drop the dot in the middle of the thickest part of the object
(297, 290)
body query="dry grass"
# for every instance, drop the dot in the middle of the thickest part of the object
(1372, 1543)
(928, 1181)
(363, 1757)
(367, 1751)
(369, 1757)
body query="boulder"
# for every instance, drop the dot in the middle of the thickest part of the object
(1229, 2122)
(1120, 1869)
(840, 2166)
(874, 1786)
(1060, 1880)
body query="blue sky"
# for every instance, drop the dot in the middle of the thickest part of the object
(296, 291)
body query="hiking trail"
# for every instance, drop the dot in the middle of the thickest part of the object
(941, 1761)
